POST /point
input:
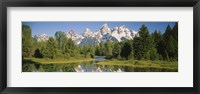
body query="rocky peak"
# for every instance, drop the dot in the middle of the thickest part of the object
(42, 37)
(71, 32)
(87, 33)
(115, 34)
(105, 29)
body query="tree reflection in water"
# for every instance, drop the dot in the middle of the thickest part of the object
(86, 67)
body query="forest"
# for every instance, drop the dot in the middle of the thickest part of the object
(155, 46)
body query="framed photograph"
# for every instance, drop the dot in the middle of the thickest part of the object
(74, 46)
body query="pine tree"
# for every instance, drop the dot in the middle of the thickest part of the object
(51, 48)
(27, 45)
(38, 54)
(168, 32)
(153, 54)
(156, 38)
(108, 49)
(175, 35)
(102, 48)
(138, 48)
(175, 31)
(117, 51)
(143, 44)
(169, 44)
(61, 40)
(127, 51)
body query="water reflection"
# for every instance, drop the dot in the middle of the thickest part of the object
(99, 59)
(96, 68)
(87, 67)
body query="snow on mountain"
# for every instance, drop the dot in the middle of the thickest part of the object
(116, 34)
(122, 32)
(134, 33)
(71, 34)
(88, 33)
(105, 29)
(42, 37)
(98, 34)
(91, 38)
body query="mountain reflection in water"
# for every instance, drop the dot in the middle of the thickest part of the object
(91, 66)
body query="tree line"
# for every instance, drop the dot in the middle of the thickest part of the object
(146, 46)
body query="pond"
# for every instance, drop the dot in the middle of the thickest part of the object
(86, 67)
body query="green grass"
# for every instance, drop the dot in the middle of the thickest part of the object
(56, 61)
(142, 64)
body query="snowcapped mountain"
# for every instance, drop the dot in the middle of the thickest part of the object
(122, 32)
(88, 33)
(89, 37)
(105, 29)
(71, 34)
(42, 37)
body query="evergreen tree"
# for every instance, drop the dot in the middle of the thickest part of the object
(27, 45)
(108, 49)
(153, 54)
(102, 48)
(61, 39)
(51, 48)
(117, 50)
(168, 32)
(71, 48)
(86, 51)
(138, 48)
(127, 50)
(169, 49)
(156, 37)
(97, 50)
(175, 31)
(38, 54)
(158, 43)
(175, 35)
(92, 51)
(143, 44)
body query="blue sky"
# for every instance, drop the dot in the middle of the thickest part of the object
(51, 27)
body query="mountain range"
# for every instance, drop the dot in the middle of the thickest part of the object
(88, 37)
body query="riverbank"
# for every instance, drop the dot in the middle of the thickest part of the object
(168, 65)
(56, 61)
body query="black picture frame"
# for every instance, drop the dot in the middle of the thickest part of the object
(100, 3)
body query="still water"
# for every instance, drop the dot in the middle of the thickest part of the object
(86, 67)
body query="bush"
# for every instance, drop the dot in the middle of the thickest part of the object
(136, 61)
(66, 56)
(38, 54)
(92, 55)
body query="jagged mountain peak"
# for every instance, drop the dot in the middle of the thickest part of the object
(42, 37)
(87, 29)
(105, 29)
(88, 37)
(104, 25)
(43, 34)
(71, 34)
(71, 31)
(87, 33)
